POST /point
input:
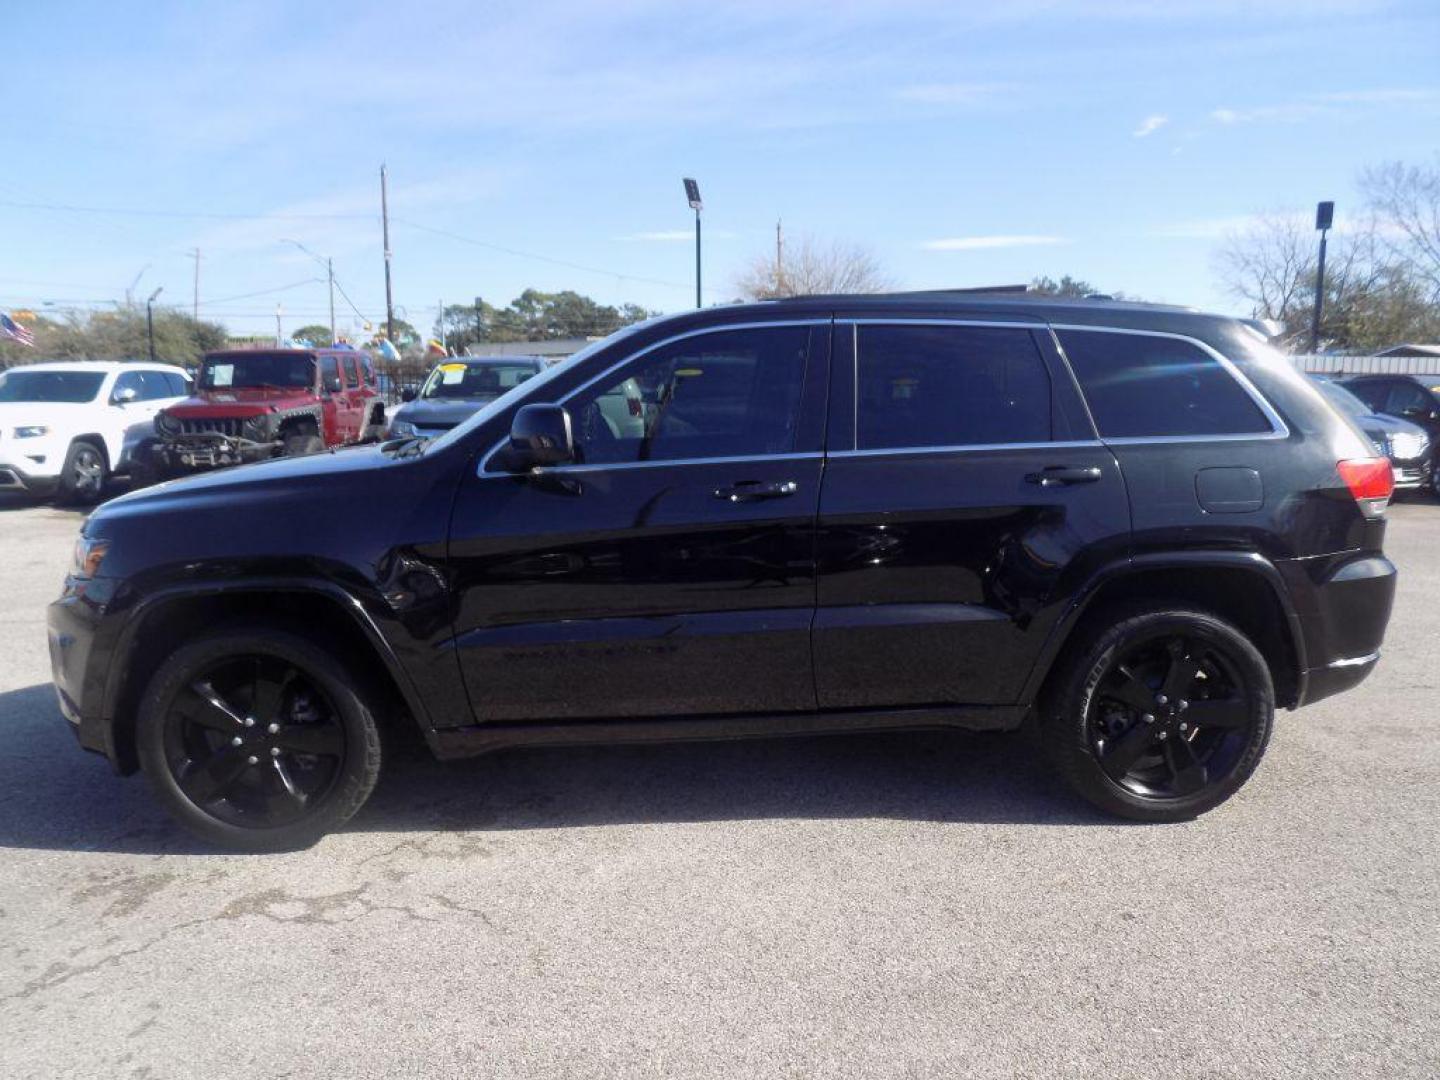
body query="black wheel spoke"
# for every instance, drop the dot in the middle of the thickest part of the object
(324, 740)
(284, 798)
(1129, 690)
(1188, 774)
(204, 705)
(208, 780)
(1219, 713)
(269, 694)
(1120, 755)
(1180, 675)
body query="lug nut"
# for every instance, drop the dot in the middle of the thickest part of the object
(236, 741)
(273, 728)
(253, 760)
(274, 751)
(1164, 734)
(1184, 726)
(249, 721)
(1161, 699)
(1182, 704)
(1148, 718)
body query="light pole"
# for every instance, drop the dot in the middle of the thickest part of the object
(1324, 216)
(329, 265)
(692, 194)
(150, 320)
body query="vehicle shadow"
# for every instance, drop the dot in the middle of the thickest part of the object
(53, 796)
(19, 500)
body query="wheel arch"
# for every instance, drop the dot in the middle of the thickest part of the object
(1243, 588)
(97, 440)
(322, 613)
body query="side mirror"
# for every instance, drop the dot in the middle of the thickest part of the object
(123, 397)
(332, 384)
(540, 435)
(408, 393)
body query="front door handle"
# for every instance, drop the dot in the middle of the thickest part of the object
(755, 490)
(1058, 475)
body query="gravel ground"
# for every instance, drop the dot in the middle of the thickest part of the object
(869, 906)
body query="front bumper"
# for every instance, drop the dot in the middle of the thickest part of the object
(1411, 475)
(14, 478)
(76, 631)
(210, 450)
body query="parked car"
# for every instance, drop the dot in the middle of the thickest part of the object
(1411, 397)
(1407, 445)
(1135, 528)
(455, 389)
(66, 428)
(251, 405)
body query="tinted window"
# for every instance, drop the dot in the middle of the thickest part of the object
(330, 368)
(949, 386)
(236, 370)
(1371, 392)
(724, 394)
(368, 368)
(482, 380)
(1406, 397)
(1143, 386)
(352, 371)
(176, 384)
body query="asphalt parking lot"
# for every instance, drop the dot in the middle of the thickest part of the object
(872, 906)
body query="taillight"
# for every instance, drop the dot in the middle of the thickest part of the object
(1370, 480)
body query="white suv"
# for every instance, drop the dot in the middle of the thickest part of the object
(66, 427)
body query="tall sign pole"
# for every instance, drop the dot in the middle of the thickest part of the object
(385, 228)
(692, 195)
(1324, 217)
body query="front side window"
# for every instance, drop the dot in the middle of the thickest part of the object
(352, 371)
(732, 393)
(923, 385)
(330, 371)
(1144, 386)
(1406, 399)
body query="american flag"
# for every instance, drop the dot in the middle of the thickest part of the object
(13, 330)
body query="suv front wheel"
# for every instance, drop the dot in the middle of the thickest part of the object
(257, 739)
(1162, 716)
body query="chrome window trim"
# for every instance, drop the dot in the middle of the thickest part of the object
(1278, 428)
(900, 320)
(1068, 444)
(609, 466)
(484, 469)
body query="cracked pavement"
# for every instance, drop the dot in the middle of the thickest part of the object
(881, 906)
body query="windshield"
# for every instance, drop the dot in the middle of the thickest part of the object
(533, 385)
(1343, 399)
(476, 380)
(262, 369)
(70, 386)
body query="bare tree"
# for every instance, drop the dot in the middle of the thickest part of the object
(810, 268)
(1406, 199)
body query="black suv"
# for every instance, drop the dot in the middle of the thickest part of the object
(1411, 397)
(1135, 527)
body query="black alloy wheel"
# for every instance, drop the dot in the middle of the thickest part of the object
(257, 740)
(1165, 716)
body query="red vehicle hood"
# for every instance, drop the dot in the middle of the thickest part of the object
(241, 401)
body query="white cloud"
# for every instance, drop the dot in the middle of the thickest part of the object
(988, 243)
(1150, 125)
(1334, 103)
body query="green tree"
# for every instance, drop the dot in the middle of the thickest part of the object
(313, 335)
(118, 335)
(534, 316)
(1067, 286)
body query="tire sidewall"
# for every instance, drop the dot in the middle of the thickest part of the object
(358, 769)
(1069, 739)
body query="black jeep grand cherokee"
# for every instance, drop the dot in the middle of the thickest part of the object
(1135, 526)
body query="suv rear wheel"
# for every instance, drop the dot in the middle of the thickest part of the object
(257, 739)
(1163, 716)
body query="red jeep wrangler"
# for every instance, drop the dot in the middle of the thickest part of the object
(253, 405)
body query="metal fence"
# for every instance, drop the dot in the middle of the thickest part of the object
(1367, 365)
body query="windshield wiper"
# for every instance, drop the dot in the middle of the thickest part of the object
(408, 446)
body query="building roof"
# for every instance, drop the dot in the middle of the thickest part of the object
(1410, 349)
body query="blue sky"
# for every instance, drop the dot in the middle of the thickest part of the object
(965, 144)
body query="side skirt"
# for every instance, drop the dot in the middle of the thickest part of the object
(485, 738)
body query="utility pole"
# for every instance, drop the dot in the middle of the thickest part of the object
(779, 257)
(150, 319)
(385, 228)
(330, 273)
(196, 256)
(1324, 217)
(479, 321)
(279, 334)
(441, 320)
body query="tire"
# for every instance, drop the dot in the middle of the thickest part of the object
(84, 474)
(146, 469)
(1135, 751)
(301, 444)
(304, 766)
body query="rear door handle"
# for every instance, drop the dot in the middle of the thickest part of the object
(1058, 475)
(756, 490)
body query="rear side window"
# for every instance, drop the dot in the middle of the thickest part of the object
(330, 368)
(949, 386)
(352, 371)
(1142, 386)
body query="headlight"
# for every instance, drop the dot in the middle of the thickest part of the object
(89, 554)
(31, 431)
(1407, 444)
(402, 428)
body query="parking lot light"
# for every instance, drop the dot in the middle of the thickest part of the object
(692, 195)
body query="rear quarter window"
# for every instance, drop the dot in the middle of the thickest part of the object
(1147, 386)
